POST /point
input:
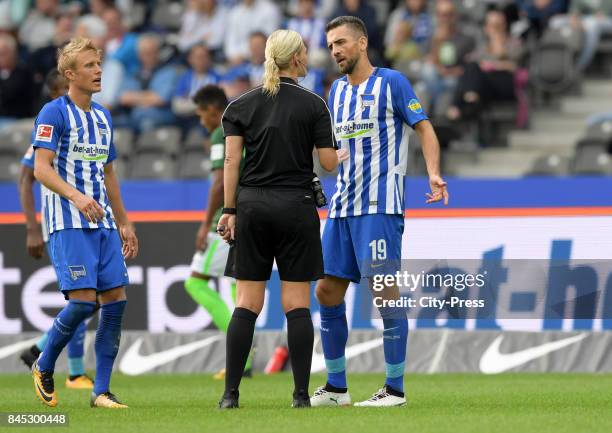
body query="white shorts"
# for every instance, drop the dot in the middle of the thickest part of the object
(212, 261)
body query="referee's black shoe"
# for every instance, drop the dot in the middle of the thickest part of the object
(229, 400)
(300, 400)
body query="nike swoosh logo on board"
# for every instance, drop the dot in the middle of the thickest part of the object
(133, 363)
(493, 361)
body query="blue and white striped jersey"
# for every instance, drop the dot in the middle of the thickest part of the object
(83, 145)
(28, 161)
(371, 120)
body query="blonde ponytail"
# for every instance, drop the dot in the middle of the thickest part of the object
(281, 46)
(271, 80)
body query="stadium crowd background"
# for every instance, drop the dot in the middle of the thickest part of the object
(513, 87)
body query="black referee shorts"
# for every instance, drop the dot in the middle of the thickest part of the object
(281, 224)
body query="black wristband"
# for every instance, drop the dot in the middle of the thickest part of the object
(229, 210)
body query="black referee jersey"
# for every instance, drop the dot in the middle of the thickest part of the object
(278, 134)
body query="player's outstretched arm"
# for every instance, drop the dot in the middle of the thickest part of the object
(34, 240)
(46, 175)
(431, 153)
(126, 228)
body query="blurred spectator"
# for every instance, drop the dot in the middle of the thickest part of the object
(147, 95)
(92, 24)
(539, 13)
(594, 17)
(323, 8)
(450, 47)
(198, 75)
(311, 29)
(204, 21)
(98, 7)
(93, 28)
(403, 49)
(490, 77)
(314, 80)
(361, 9)
(120, 45)
(414, 13)
(38, 29)
(251, 70)
(44, 59)
(113, 74)
(16, 96)
(244, 19)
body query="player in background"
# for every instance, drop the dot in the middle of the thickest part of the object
(372, 109)
(35, 244)
(211, 251)
(85, 219)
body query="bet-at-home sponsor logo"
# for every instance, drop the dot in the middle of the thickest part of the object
(354, 129)
(91, 152)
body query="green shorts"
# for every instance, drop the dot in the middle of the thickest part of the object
(212, 261)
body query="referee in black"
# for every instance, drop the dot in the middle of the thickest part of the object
(273, 215)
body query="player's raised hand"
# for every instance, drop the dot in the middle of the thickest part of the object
(90, 208)
(438, 190)
(34, 242)
(130, 241)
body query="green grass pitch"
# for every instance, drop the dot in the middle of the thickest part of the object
(453, 403)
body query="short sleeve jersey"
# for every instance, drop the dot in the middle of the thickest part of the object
(373, 120)
(83, 144)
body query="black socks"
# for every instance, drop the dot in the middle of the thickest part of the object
(239, 340)
(300, 338)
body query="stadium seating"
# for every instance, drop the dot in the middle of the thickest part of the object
(120, 167)
(195, 139)
(591, 158)
(552, 65)
(124, 141)
(166, 139)
(194, 164)
(9, 167)
(600, 131)
(471, 11)
(152, 165)
(168, 15)
(14, 141)
(550, 165)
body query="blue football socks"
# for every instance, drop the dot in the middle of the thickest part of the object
(76, 351)
(334, 335)
(107, 343)
(64, 326)
(395, 338)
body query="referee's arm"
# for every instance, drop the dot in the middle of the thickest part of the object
(324, 140)
(231, 168)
